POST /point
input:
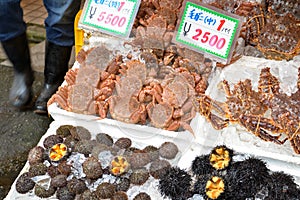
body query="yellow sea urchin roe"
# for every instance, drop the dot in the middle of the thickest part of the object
(214, 187)
(220, 158)
(57, 151)
(119, 165)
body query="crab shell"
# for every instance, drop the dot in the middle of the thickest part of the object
(280, 38)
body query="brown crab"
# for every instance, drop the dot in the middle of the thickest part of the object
(274, 29)
(249, 109)
(281, 7)
(285, 112)
(279, 38)
(242, 100)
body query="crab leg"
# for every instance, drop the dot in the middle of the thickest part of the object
(256, 125)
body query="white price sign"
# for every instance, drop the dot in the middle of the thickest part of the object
(205, 30)
(113, 17)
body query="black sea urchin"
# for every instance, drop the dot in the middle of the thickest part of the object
(200, 184)
(201, 165)
(245, 178)
(282, 186)
(175, 183)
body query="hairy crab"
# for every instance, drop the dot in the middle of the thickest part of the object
(124, 105)
(88, 87)
(173, 103)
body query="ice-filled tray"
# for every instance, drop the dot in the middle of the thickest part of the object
(236, 136)
(115, 132)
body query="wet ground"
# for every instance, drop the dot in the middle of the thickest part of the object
(19, 130)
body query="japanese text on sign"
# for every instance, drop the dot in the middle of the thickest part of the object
(207, 30)
(114, 17)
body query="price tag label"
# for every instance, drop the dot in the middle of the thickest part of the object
(203, 29)
(114, 17)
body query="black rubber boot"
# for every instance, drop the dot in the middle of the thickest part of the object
(56, 65)
(17, 51)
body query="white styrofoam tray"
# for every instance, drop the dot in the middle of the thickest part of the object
(236, 136)
(150, 186)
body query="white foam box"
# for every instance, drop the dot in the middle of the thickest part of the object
(279, 157)
(140, 138)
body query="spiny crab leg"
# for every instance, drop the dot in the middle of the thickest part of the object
(296, 132)
(257, 126)
(206, 106)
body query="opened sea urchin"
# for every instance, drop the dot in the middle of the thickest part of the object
(214, 187)
(220, 157)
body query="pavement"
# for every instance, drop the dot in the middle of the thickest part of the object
(21, 130)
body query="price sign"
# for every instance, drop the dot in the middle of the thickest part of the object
(114, 17)
(203, 29)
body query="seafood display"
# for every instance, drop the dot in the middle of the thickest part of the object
(272, 27)
(137, 89)
(146, 91)
(248, 108)
(159, 84)
(121, 168)
(99, 171)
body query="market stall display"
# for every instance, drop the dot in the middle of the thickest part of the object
(96, 161)
(98, 165)
(136, 118)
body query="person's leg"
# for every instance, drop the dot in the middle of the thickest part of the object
(15, 44)
(60, 39)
